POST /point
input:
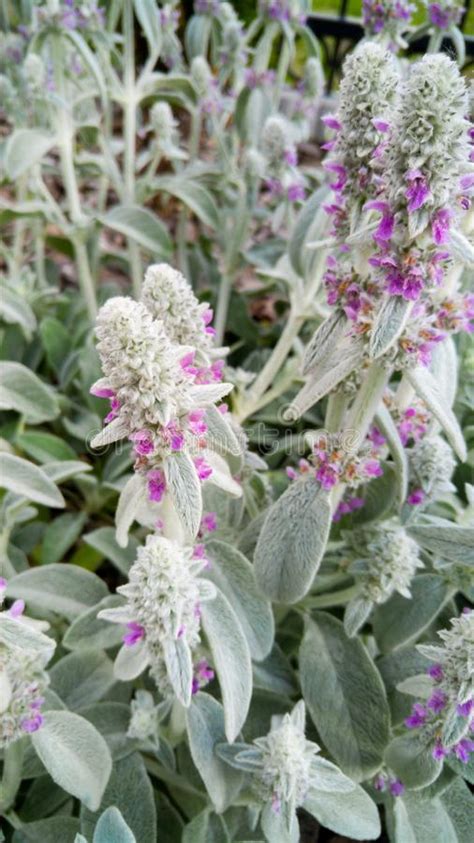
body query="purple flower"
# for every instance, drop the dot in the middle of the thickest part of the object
(291, 157)
(341, 172)
(331, 121)
(397, 788)
(418, 191)
(327, 475)
(465, 709)
(436, 672)
(203, 468)
(416, 497)
(463, 749)
(156, 485)
(102, 392)
(443, 18)
(296, 192)
(440, 226)
(417, 717)
(376, 437)
(203, 674)
(437, 701)
(143, 442)
(209, 522)
(385, 229)
(135, 633)
(372, 468)
(438, 751)
(32, 724)
(380, 125)
(17, 609)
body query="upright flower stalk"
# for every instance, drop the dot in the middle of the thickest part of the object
(163, 377)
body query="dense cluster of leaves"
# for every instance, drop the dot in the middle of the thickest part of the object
(329, 536)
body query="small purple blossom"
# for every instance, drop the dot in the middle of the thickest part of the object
(156, 485)
(418, 190)
(416, 497)
(397, 788)
(437, 701)
(203, 468)
(436, 672)
(142, 442)
(465, 709)
(417, 717)
(135, 633)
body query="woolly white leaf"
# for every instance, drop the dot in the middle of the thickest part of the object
(205, 723)
(292, 541)
(184, 487)
(179, 666)
(426, 387)
(231, 658)
(389, 323)
(75, 755)
(130, 500)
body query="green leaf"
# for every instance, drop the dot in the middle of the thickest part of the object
(353, 814)
(205, 827)
(401, 621)
(446, 540)
(112, 720)
(309, 225)
(14, 633)
(27, 480)
(184, 487)
(64, 589)
(62, 470)
(292, 542)
(231, 659)
(141, 226)
(75, 755)
(45, 447)
(82, 677)
(387, 426)
(56, 341)
(129, 787)
(88, 630)
(148, 17)
(194, 195)
(103, 540)
(21, 390)
(428, 390)
(24, 148)
(16, 311)
(234, 576)
(112, 828)
(427, 819)
(205, 724)
(51, 830)
(458, 801)
(60, 535)
(410, 757)
(338, 676)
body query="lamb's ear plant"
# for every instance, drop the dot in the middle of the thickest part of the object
(245, 543)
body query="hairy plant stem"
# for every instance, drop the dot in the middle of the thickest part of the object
(20, 229)
(65, 144)
(130, 130)
(335, 411)
(11, 778)
(296, 319)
